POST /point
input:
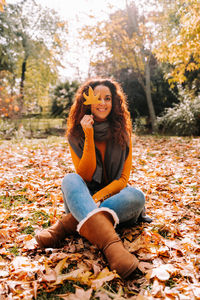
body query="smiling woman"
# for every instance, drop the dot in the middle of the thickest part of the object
(97, 197)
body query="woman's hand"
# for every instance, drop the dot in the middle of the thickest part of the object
(87, 121)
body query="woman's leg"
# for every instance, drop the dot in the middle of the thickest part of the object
(76, 196)
(127, 204)
(97, 225)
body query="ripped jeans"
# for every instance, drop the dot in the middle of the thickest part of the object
(127, 204)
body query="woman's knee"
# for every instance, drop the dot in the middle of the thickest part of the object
(71, 179)
(136, 196)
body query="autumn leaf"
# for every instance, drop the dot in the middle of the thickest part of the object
(162, 272)
(80, 294)
(2, 4)
(91, 98)
(104, 276)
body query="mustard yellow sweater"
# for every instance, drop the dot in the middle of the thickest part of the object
(86, 166)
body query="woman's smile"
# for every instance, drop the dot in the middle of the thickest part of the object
(101, 109)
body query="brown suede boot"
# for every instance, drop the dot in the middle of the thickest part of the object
(51, 237)
(99, 230)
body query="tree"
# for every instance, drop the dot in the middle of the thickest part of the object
(35, 34)
(179, 43)
(162, 95)
(127, 41)
(9, 43)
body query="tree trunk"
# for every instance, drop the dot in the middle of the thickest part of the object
(149, 98)
(23, 74)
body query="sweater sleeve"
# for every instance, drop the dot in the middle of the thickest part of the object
(86, 165)
(116, 185)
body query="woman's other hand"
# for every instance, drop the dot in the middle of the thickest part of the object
(87, 121)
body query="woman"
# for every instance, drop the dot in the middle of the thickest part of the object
(97, 197)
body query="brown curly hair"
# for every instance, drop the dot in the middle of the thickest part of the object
(119, 117)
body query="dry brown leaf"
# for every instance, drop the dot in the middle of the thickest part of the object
(144, 266)
(163, 272)
(158, 289)
(4, 235)
(50, 276)
(80, 294)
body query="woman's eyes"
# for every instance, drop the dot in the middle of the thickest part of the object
(106, 99)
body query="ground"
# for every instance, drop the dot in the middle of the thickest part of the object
(166, 169)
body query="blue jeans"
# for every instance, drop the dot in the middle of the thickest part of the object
(127, 204)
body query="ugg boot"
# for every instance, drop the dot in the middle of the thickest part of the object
(51, 237)
(99, 230)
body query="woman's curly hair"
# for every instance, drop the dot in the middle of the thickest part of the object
(119, 117)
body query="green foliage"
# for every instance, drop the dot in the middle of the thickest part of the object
(63, 98)
(66, 287)
(39, 215)
(28, 230)
(192, 83)
(12, 201)
(7, 128)
(8, 42)
(162, 95)
(32, 42)
(14, 250)
(182, 119)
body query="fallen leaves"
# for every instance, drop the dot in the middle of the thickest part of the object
(80, 294)
(167, 171)
(163, 272)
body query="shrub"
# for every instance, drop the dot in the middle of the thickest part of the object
(182, 119)
(7, 128)
(63, 98)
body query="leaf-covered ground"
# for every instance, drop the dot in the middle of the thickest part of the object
(168, 172)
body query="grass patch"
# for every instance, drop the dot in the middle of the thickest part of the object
(28, 230)
(38, 216)
(14, 201)
(14, 250)
(170, 283)
(67, 287)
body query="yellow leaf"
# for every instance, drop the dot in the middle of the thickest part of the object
(91, 98)
(2, 3)
(60, 266)
(76, 275)
(103, 276)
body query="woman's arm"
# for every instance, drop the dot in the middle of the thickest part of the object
(117, 185)
(86, 166)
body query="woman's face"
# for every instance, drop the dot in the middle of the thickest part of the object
(101, 110)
